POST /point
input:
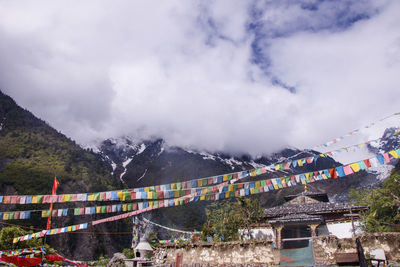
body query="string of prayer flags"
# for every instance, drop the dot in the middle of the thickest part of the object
(53, 231)
(168, 228)
(226, 191)
(15, 215)
(338, 139)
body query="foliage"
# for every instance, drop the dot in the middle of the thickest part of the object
(383, 203)
(129, 253)
(153, 239)
(249, 211)
(32, 153)
(7, 235)
(225, 218)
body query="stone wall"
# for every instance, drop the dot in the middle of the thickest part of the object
(227, 253)
(325, 247)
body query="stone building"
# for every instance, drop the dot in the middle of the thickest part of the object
(308, 215)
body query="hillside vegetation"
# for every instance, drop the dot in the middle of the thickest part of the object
(32, 153)
(384, 204)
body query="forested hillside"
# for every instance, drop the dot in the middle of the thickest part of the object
(32, 153)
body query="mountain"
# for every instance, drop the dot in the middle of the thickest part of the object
(31, 154)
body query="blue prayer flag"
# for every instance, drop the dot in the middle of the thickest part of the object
(340, 171)
(380, 159)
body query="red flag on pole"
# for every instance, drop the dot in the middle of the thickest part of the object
(53, 192)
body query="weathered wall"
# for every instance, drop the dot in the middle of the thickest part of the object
(228, 253)
(325, 247)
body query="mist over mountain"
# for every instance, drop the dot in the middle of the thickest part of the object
(32, 152)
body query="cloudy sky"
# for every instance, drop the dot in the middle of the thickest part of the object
(237, 76)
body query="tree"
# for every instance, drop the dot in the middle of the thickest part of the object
(7, 235)
(225, 218)
(249, 212)
(383, 203)
(222, 221)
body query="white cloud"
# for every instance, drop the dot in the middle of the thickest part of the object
(344, 79)
(183, 71)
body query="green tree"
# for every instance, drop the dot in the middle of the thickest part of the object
(7, 235)
(383, 203)
(249, 212)
(225, 218)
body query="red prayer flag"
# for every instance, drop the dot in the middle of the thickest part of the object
(21, 261)
(55, 185)
(54, 257)
(333, 173)
(53, 192)
(367, 163)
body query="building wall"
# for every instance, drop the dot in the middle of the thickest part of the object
(325, 247)
(344, 229)
(227, 253)
(265, 233)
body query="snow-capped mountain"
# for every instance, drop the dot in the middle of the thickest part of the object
(140, 163)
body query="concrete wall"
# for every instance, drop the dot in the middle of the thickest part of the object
(343, 229)
(227, 253)
(325, 247)
(265, 233)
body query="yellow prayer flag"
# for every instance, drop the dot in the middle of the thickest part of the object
(394, 154)
(147, 189)
(151, 203)
(176, 193)
(355, 167)
(34, 199)
(303, 181)
(98, 209)
(176, 202)
(124, 208)
(69, 228)
(324, 176)
(52, 231)
(225, 178)
(257, 184)
(120, 195)
(202, 197)
(149, 195)
(203, 191)
(277, 167)
(253, 172)
(227, 194)
(300, 162)
(230, 187)
(252, 191)
(275, 186)
(90, 197)
(15, 239)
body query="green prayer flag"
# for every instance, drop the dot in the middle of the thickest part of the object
(129, 207)
(76, 211)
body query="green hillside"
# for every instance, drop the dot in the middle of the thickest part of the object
(32, 153)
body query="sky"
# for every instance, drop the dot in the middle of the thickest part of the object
(233, 76)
